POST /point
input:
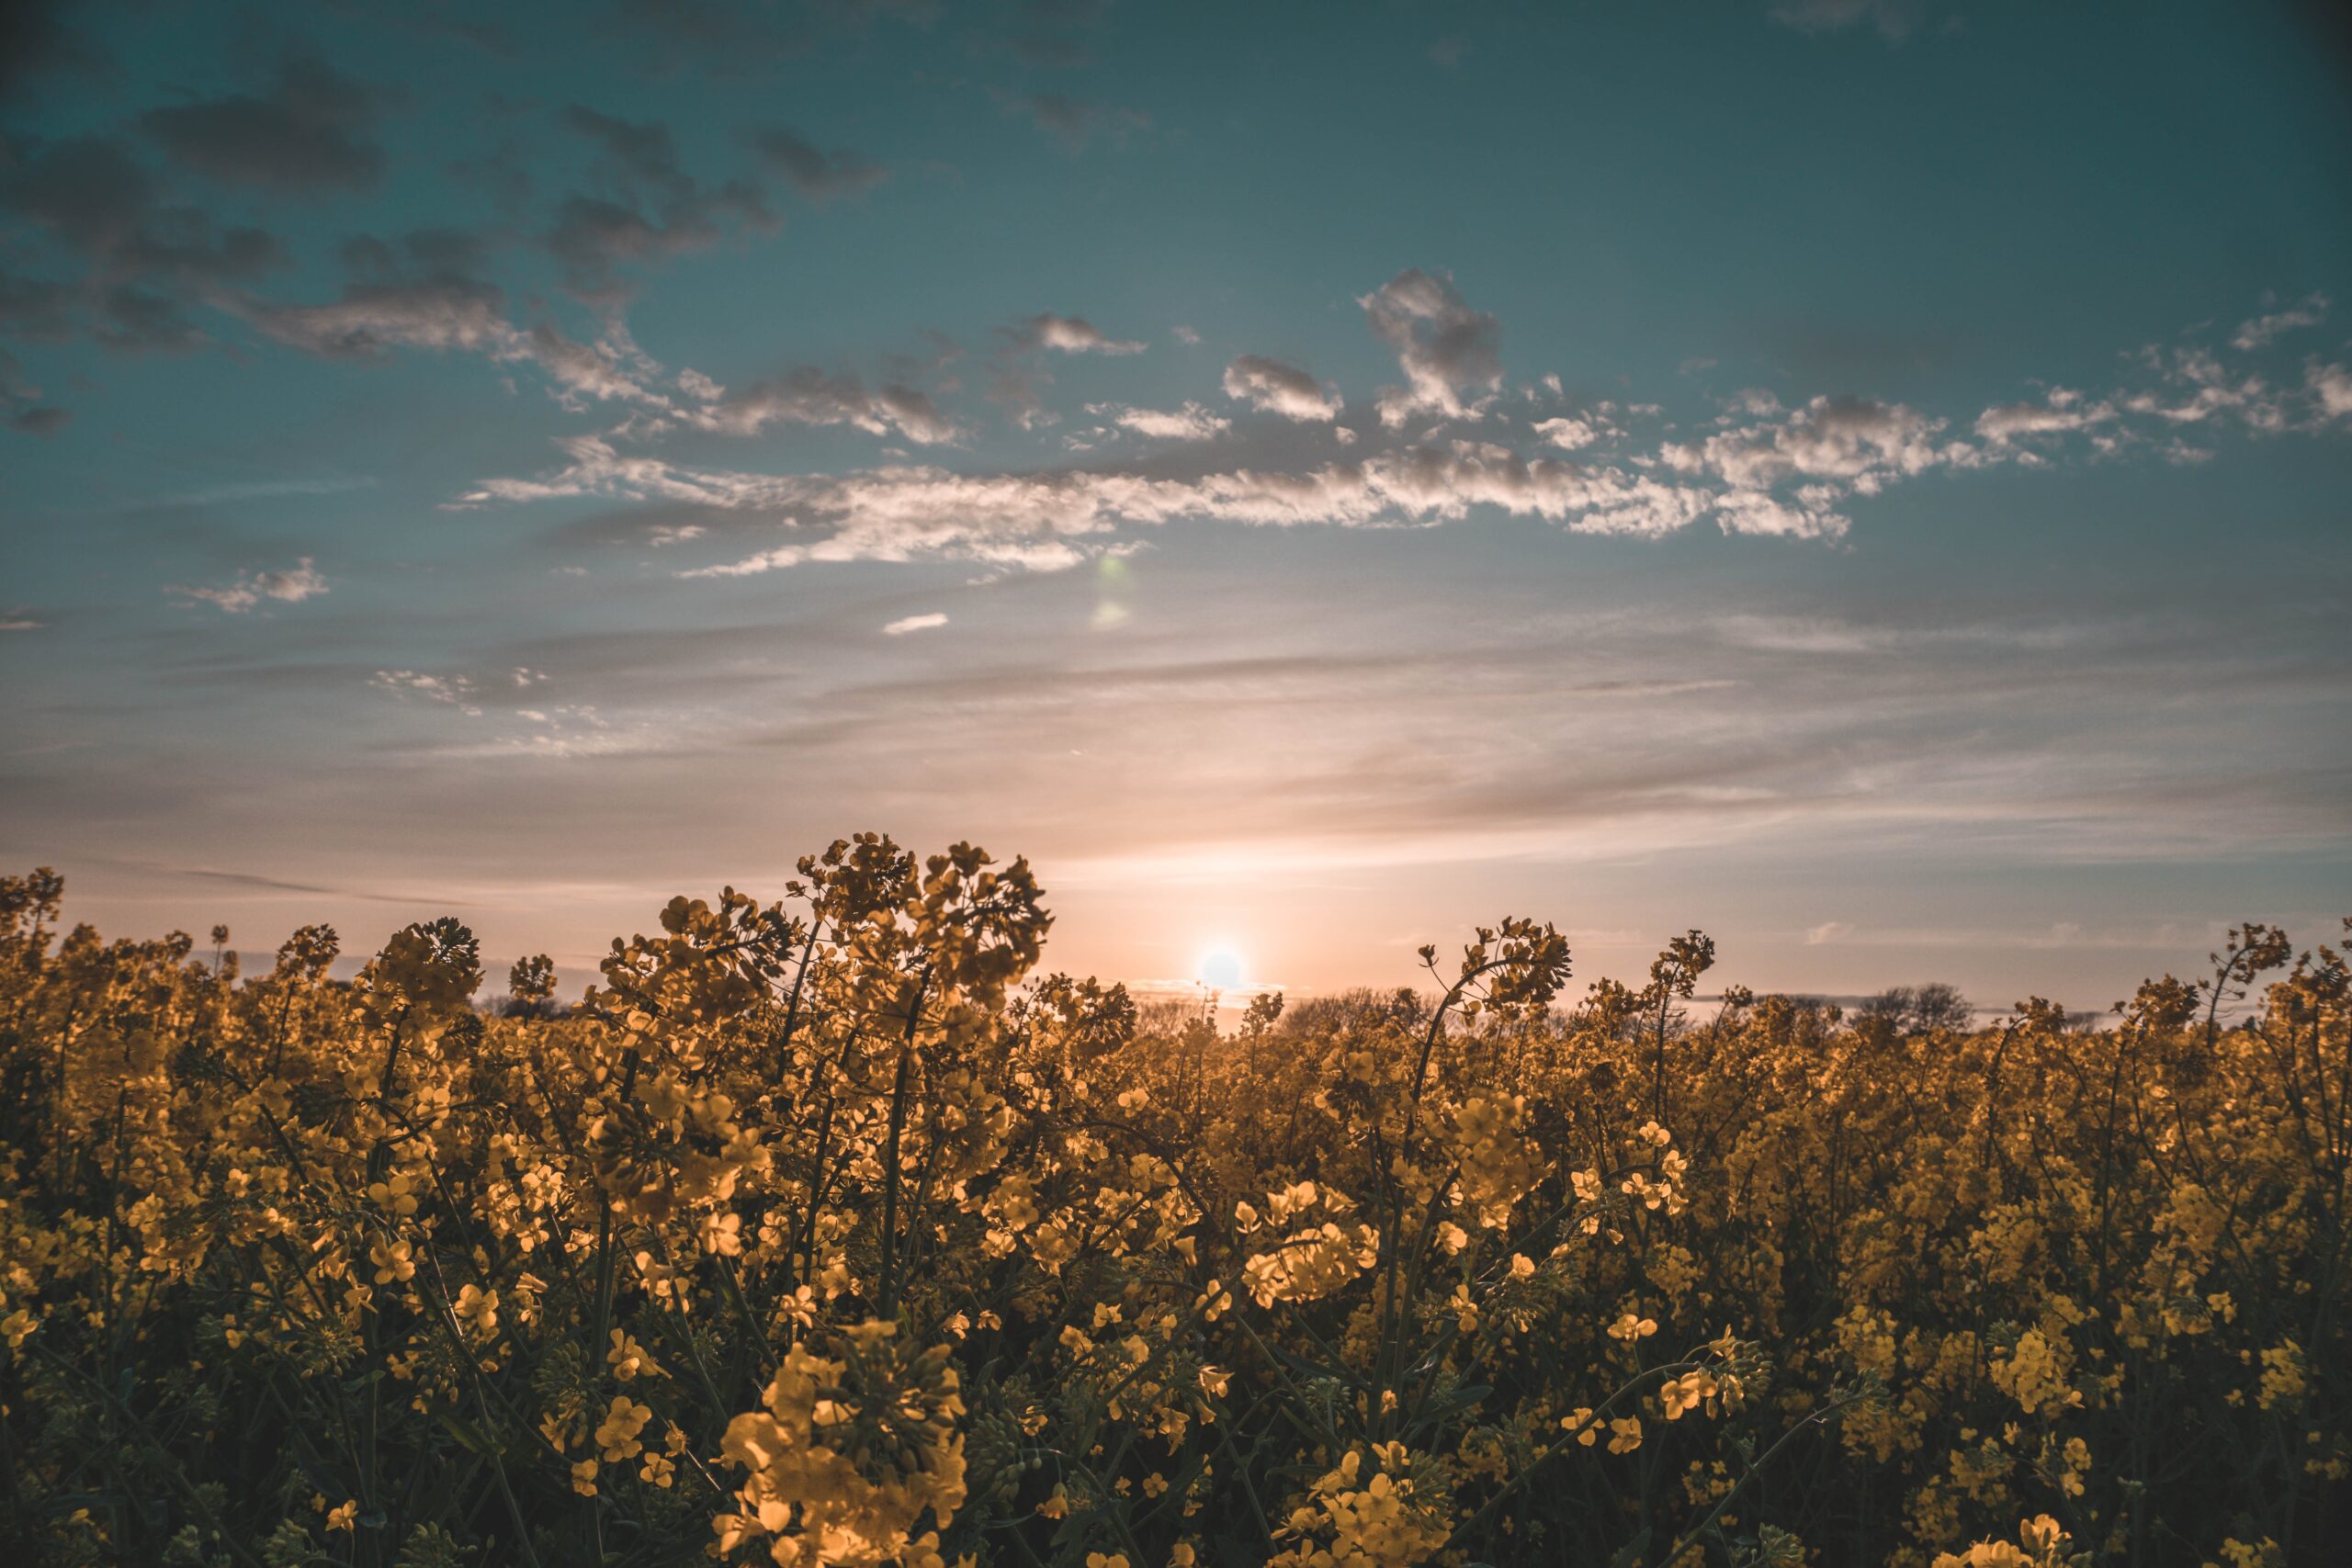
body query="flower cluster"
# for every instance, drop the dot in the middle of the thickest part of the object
(823, 1230)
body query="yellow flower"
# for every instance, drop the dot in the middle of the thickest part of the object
(1686, 1393)
(2040, 1544)
(396, 1194)
(478, 1309)
(344, 1516)
(628, 1360)
(393, 1262)
(616, 1434)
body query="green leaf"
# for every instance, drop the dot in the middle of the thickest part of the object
(1460, 1399)
(472, 1438)
(1632, 1552)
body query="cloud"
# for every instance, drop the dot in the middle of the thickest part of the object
(1016, 381)
(1191, 423)
(2260, 330)
(645, 152)
(429, 252)
(32, 307)
(1758, 511)
(1048, 521)
(456, 691)
(304, 135)
(595, 236)
(1764, 468)
(901, 626)
(45, 419)
(274, 885)
(2201, 387)
(290, 587)
(1273, 387)
(13, 383)
(1567, 434)
(1068, 335)
(609, 370)
(2331, 385)
(813, 397)
(2187, 388)
(2061, 411)
(1826, 932)
(1859, 441)
(34, 41)
(146, 259)
(373, 318)
(1445, 347)
(1783, 634)
(809, 169)
(450, 315)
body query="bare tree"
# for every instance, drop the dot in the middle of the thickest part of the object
(1920, 1010)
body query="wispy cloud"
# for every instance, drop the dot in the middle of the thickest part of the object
(1275, 387)
(2260, 330)
(1041, 519)
(816, 172)
(1757, 467)
(1069, 334)
(1191, 423)
(250, 882)
(308, 132)
(906, 623)
(657, 211)
(302, 581)
(456, 691)
(814, 398)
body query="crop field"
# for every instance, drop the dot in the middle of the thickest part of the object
(838, 1230)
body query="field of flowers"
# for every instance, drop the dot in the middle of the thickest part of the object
(829, 1231)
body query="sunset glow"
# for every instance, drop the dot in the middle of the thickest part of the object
(1169, 784)
(1221, 969)
(533, 470)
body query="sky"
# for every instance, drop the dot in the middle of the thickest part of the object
(1868, 480)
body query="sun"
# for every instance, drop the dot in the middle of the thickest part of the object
(1221, 969)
